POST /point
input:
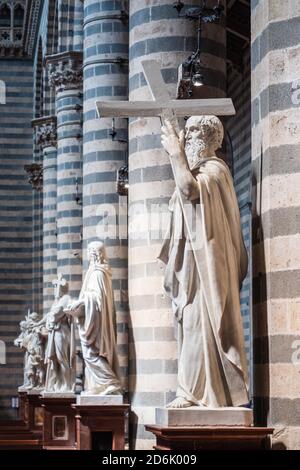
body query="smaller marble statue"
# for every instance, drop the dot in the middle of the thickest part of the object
(32, 340)
(95, 315)
(61, 351)
(20, 343)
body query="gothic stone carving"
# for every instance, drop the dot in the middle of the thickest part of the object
(35, 178)
(65, 73)
(46, 134)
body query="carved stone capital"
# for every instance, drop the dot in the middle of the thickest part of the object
(35, 175)
(45, 131)
(65, 70)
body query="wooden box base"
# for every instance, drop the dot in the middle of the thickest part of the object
(101, 427)
(26, 432)
(211, 438)
(59, 423)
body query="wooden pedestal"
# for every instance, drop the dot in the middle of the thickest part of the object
(35, 414)
(23, 407)
(100, 427)
(211, 438)
(59, 423)
(26, 432)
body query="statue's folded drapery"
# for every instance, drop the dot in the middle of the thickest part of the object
(212, 368)
(97, 332)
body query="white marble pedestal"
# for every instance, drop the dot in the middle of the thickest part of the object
(196, 416)
(99, 400)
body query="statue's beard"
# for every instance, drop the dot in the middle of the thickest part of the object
(195, 151)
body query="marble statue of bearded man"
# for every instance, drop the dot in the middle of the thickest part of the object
(205, 268)
(95, 314)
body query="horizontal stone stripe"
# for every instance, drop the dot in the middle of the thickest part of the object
(278, 160)
(99, 26)
(154, 13)
(102, 135)
(71, 149)
(279, 191)
(104, 49)
(276, 35)
(71, 213)
(63, 183)
(272, 99)
(213, 77)
(159, 382)
(96, 199)
(93, 6)
(95, 70)
(283, 382)
(107, 91)
(280, 253)
(281, 284)
(100, 177)
(282, 64)
(174, 43)
(151, 334)
(154, 366)
(275, 349)
(284, 411)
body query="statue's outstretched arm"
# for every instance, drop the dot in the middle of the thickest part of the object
(174, 146)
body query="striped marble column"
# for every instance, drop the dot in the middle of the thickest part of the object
(276, 172)
(46, 138)
(157, 33)
(66, 77)
(106, 78)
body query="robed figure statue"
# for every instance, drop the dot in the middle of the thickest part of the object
(95, 314)
(60, 354)
(206, 262)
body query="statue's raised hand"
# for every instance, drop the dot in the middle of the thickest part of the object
(171, 141)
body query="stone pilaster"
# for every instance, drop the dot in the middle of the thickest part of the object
(66, 77)
(276, 170)
(157, 33)
(105, 71)
(46, 138)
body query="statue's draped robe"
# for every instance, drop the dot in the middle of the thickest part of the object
(60, 351)
(212, 364)
(97, 331)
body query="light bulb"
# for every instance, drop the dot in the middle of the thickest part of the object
(197, 79)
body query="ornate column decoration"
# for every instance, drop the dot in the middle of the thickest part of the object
(65, 70)
(46, 139)
(65, 75)
(45, 131)
(35, 175)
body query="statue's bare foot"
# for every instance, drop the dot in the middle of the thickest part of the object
(179, 402)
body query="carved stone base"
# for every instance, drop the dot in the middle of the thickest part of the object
(59, 421)
(101, 427)
(99, 400)
(210, 437)
(196, 416)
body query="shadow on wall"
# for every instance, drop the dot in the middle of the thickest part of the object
(133, 418)
(260, 313)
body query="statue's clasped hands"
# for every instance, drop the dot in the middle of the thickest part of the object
(171, 141)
